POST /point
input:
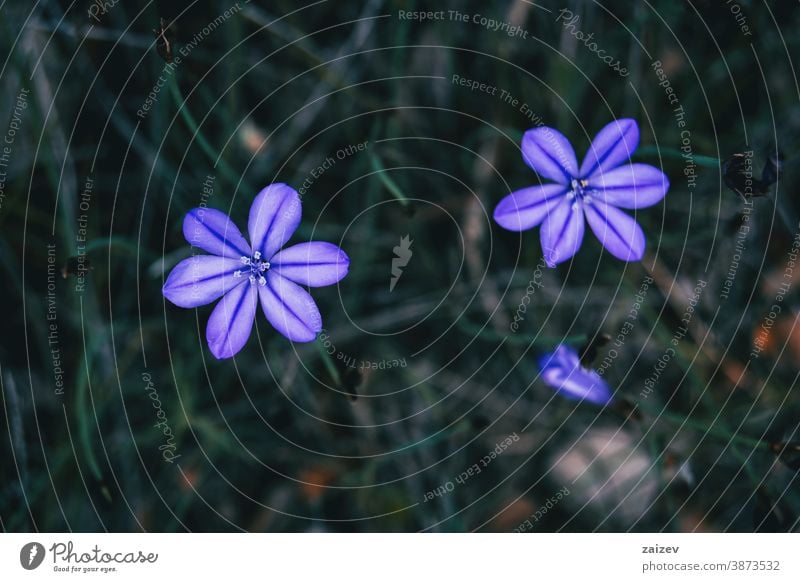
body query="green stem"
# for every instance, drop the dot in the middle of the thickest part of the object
(539, 342)
(390, 184)
(187, 117)
(329, 365)
(705, 429)
(671, 153)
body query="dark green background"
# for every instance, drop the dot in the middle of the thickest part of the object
(267, 96)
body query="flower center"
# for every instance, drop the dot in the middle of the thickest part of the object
(578, 192)
(254, 269)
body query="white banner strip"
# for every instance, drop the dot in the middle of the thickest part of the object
(401, 557)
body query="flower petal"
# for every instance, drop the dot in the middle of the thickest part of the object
(549, 154)
(274, 217)
(566, 357)
(315, 264)
(572, 380)
(562, 232)
(528, 207)
(612, 146)
(212, 231)
(201, 279)
(231, 321)
(290, 309)
(620, 234)
(630, 186)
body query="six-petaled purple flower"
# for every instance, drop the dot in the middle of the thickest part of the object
(244, 275)
(596, 190)
(562, 370)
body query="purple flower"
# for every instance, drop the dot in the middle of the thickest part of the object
(562, 370)
(597, 190)
(244, 276)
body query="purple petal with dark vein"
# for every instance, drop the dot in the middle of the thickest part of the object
(201, 279)
(619, 233)
(631, 186)
(314, 264)
(528, 207)
(549, 154)
(562, 232)
(231, 321)
(212, 231)
(290, 309)
(562, 371)
(274, 217)
(612, 146)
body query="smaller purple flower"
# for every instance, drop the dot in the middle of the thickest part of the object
(245, 275)
(562, 370)
(596, 190)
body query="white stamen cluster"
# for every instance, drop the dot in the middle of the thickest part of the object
(577, 193)
(256, 271)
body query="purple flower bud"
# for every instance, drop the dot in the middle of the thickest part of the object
(562, 370)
